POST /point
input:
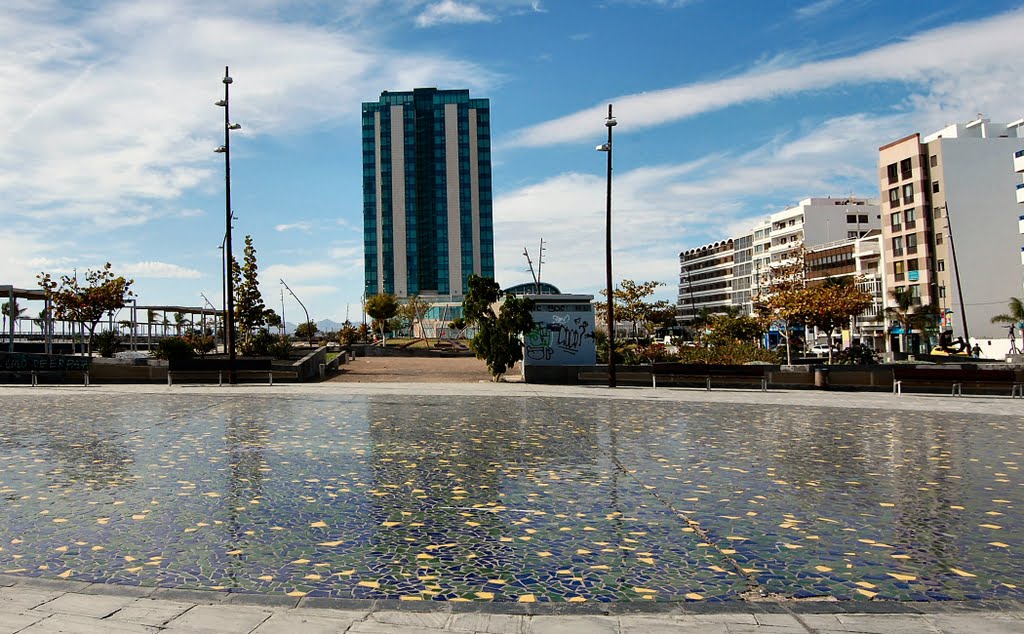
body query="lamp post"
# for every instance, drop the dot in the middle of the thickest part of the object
(309, 330)
(607, 147)
(956, 272)
(229, 322)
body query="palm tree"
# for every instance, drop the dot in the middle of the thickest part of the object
(910, 315)
(1016, 314)
(12, 310)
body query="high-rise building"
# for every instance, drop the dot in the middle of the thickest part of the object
(948, 202)
(427, 220)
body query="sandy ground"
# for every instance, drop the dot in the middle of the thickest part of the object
(413, 370)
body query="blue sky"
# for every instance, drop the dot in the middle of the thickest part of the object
(727, 111)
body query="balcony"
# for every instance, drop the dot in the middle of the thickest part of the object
(1020, 193)
(1018, 162)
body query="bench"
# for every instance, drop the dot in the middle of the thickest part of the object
(207, 368)
(600, 377)
(20, 364)
(739, 375)
(956, 378)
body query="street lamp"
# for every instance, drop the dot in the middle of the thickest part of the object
(229, 310)
(956, 272)
(607, 147)
(308, 328)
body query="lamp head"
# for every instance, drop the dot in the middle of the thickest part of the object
(227, 80)
(221, 103)
(611, 122)
(604, 147)
(220, 149)
(235, 126)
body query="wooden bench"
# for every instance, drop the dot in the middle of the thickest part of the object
(739, 375)
(207, 368)
(956, 378)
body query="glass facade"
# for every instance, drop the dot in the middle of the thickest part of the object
(435, 131)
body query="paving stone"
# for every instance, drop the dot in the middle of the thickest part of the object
(85, 605)
(69, 623)
(290, 623)
(776, 620)
(663, 625)
(151, 611)
(11, 622)
(738, 618)
(743, 628)
(688, 623)
(887, 624)
(19, 599)
(348, 616)
(974, 623)
(373, 627)
(573, 625)
(823, 622)
(436, 620)
(220, 619)
(489, 623)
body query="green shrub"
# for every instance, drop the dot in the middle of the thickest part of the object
(173, 348)
(729, 353)
(106, 343)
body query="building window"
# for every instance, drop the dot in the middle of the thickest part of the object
(910, 216)
(861, 218)
(935, 187)
(934, 161)
(894, 197)
(936, 212)
(941, 265)
(897, 270)
(912, 264)
(912, 243)
(938, 238)
(897, 245)
(942, 292)
(896, 219)
(905, 168)
(908, 193)
(852, 234)
(851, 218)
(892, 173)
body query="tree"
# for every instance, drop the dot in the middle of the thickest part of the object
(86, 304)
(250, 311)
(412, 312)
(498, 338)
(381, 308)
(12, 310)
(909, 315)
(180, 322)
(1016, 314)
(782, 298)
(306, 330)
(831, 304)
(630, 303)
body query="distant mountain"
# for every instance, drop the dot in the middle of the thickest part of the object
(324, 325)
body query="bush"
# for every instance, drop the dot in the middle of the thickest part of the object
(855, 355)
(258, 345)
(173, 348)
(729, 353)
(201, 343)
(106, 343)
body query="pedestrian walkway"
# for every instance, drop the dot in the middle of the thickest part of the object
(38, 606)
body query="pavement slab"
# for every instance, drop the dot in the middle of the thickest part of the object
(487, 623)
(573, 625)
(76, 624)
(12, 622)
(154, 612)
(20, 598)
(289, 623)
(220, 619)
(96, 606)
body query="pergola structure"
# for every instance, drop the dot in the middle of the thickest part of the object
(8, 295)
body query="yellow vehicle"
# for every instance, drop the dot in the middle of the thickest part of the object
(950, 352)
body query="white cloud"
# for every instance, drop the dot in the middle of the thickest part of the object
(661, 210)
(295, 273)
(300, 226)
(159, 270)
(973, 65)
(108, 109)
(816, 8)
(451, 12)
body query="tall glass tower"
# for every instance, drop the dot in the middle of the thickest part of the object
(427, 222)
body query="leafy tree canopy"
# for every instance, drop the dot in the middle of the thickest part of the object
(87, 303)
(498, 338)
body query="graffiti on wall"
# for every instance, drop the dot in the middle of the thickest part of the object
(561, 338)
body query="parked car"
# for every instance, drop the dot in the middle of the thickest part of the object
(821, 349)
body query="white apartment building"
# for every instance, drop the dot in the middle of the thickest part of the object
(1018, 167)
(731, 272)
(860, 257)
(953, 193)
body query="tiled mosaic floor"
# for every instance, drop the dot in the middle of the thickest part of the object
(506, 499)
